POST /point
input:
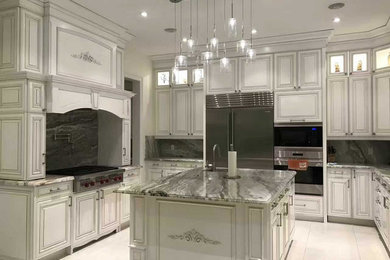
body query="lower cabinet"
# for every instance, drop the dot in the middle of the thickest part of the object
(308, 207)
(53, 217)
(350, 193)
(95, 213)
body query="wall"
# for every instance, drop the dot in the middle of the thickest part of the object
(82, 125)
(362, 152)
(138, 66)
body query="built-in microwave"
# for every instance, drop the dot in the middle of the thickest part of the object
(298, 136)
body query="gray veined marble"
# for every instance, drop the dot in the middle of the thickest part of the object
(50, 179)
(254, 186)
(173, 148)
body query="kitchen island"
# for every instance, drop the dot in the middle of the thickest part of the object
(200, 214)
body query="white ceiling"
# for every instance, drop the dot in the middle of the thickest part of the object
(270, 18)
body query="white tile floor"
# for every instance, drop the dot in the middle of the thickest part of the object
(312, 241)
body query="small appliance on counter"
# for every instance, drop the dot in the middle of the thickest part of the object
(88, 178)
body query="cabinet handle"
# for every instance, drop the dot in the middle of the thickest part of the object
(102, 197)
(286, 209)
(354, 174)
(291, 200)
(373, 133)
(385, 203)
(44, 110)
(348, 184)
(98, 196)
(297, 120)
(280, 219)
(372, 176)
(300, 205)
(124, 151)
(71, 201)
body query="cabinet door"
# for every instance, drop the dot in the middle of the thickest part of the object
(338, 115)
(360, 108)
(85, 215)
(339, 197)
(298, 106)
(291, 213)
(125, 208)
(362, 194)
(126, 142)
(197, 111)
(381, 104)
(275, 239)
(36, 163)
(337, 64)
(285, 69)
(53, 225)
(309, 69)
(163, 111)
(120, 79)
(181, 106)
(109, 210)
(257, 75)
(220, 82)
(12, 138)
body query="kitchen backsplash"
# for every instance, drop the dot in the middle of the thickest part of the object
(361, 151)
(173, 148)
(82, 148)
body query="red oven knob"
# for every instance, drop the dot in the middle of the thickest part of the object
(107, 180)
(102, 182)
(86, 185)
(120, 178)
(92, 184)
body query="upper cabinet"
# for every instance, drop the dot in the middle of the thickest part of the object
(221, 82)
(295, 71)
(338, 64)
(285, 71)
(381, 104)
(257, 75)
(181, 78)
(360, 62)
(382, 58)
(349, 63)
(163, 78)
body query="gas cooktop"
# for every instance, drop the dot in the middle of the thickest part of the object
(91, 177)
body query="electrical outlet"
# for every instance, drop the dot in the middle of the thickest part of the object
(172, 147)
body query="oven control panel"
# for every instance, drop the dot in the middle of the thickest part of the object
(97, 182)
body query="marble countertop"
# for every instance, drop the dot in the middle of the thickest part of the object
(195, 160)
(131, 167)
(50, 179)
(254, 186)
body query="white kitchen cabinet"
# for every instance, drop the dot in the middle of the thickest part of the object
(126, 142)
(360, 108)
(275, 239)
(338, 107)
(381, 104)
(163, 111)
(285, 71)
(337, 64)
(309, 69)
(53, 225)
(109, 210)
(339, 197)
(360, 62)
(362, 194)
(197, 110)
(256, 75)
(298, 106)
(85, 217)
(381, 58)
(120, 78)
(181, 114)
(221, 82)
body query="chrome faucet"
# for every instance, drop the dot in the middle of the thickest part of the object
(214, 167)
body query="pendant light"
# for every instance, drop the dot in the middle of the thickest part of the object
(207, 55)
(181, 60)
(242, 45)
(251, 53)
(175, 70)
(224, 63)
(232, 25)
(214, 40)
(191, 41)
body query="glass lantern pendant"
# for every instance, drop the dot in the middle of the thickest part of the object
(250, 54)
(181, 61)
(232, 28)
(207, 56)
(175, 73)
(214, 44)
(225, 65)
(242, 46)
(191, 45)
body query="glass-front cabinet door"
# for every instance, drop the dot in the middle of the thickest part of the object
(163, 78)
(180, 77)
(360, 62)
(197, 76)
(382, 58)
(338, 64)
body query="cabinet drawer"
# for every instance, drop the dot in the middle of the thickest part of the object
(339, 173)
(309, 205)
(54, 189)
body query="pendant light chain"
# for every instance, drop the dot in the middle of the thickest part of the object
(242, 15)
(215, 28)
(181, 25)
(190, 19)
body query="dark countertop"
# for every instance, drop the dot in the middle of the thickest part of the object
(254, 186)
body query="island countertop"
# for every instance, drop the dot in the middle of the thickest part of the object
(254, 186)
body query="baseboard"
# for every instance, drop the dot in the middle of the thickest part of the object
(308, 218)
(352, 221)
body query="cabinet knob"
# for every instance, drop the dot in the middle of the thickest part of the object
(373, 133)
(345, 73)
(346, 133)
(299, 87)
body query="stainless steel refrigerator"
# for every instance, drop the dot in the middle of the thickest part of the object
(242, 122)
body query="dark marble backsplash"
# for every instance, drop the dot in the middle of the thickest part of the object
(173, 148)
(361, 151)
(82, 125)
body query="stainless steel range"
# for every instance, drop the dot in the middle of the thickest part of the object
(91, 177)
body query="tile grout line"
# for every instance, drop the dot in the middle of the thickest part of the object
(356, 242)
(307, 239)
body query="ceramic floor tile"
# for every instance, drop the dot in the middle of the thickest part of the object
(370, 246)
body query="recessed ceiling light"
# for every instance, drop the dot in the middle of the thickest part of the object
(254, 31)
(144, 14)
(336, 19)
(170, 30)
(184, 39)
(336, 6)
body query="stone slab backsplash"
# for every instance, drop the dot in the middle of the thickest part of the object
(361, 151)
(173, 148)
(82, 125)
